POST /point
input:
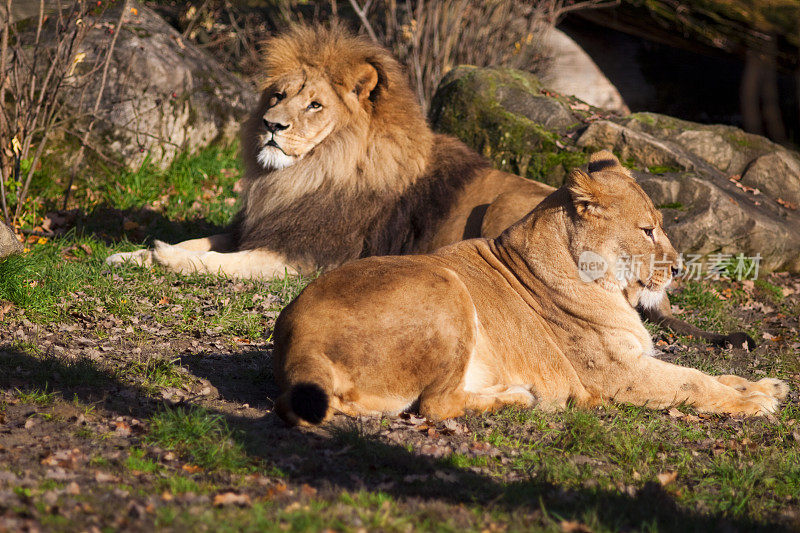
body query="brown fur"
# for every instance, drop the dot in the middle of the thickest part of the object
(488, 322)
(360, 175)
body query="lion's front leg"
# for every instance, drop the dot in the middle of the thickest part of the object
(649, 381)
(222, 242)
(247, 264)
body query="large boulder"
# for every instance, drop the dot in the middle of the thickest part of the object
(9, 244)
(163, 94)
(572, 71)
(721, 190)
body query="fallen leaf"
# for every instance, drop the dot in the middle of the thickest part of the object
(192, 469)
(104, 477)
(665, 478)
(129, 225)
(231, 498)
(573, 526)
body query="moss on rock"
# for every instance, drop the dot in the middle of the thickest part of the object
(503, 114)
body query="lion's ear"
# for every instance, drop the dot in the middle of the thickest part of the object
(366, 80)
(605, 160)
(586, 192)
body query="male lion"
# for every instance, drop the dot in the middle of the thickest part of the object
(340, 163)
(488, 322)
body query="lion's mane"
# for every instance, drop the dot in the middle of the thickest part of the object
(377, 185)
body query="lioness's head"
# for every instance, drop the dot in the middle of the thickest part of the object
(618, 236)
(323, 87)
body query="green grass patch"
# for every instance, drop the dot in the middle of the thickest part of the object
(663, 169)
(672, 205)
(773, 292)
(193, 185)
(139, 462)
(36, 396)
(202, 437)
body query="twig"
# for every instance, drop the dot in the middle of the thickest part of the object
(362, 16)
(3, 119)
(36, 233)
(195, 18)
(85, 140)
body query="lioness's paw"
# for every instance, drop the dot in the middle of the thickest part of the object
(774, 387)
(769, 386)
(143, 257)
(755, 404)
(517, 394)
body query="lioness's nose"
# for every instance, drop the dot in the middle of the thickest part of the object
(274, 127)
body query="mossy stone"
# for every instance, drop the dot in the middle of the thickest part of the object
(503, 114)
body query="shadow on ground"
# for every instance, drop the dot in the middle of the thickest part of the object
(346, 457)
(135, 225)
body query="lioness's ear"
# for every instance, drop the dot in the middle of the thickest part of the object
(586, 193)
(366, 80)
(605, 160)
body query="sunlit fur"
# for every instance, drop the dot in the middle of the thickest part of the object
(379, 142)
(485, 323)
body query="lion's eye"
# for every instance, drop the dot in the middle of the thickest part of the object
(649, 233)
(275, 98)
(314, 105)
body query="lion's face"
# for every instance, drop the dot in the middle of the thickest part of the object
(302, 109)
(617, 221)
(300, 113)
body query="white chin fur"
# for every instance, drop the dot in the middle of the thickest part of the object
(272, 158)
(650, 299)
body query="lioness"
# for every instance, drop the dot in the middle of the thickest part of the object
(489, 322)
(340, 163)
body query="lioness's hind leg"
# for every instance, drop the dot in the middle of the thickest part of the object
(769, 386)
(455, 403)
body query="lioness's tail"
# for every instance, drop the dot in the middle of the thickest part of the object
(307, 396)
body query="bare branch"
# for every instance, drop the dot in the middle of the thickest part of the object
(104, 78)
(362, 16)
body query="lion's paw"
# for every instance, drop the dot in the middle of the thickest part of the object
(176, 259)
(143, 257)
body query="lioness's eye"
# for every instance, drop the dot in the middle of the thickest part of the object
(649, 233)
(314, 105)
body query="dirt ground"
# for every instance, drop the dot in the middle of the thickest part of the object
(84, 401)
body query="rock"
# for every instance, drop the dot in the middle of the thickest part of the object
(163, 95)
(572, 71)
(777, 174)
(631, 144)
(505, 115)
(9, 244)
(721, 190)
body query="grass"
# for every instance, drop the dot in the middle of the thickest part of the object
(138, 462)
(36, 396)
(202, 437)
(602, 468)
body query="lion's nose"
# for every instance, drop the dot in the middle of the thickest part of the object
(274, 127)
